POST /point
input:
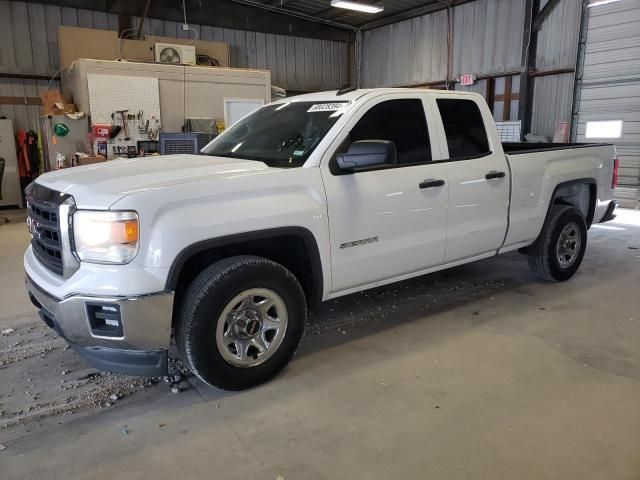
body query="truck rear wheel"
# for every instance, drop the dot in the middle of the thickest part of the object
(560, 250)
(241, 321)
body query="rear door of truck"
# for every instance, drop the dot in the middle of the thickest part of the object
(478, 174)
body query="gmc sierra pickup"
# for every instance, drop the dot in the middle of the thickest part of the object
(304, 200)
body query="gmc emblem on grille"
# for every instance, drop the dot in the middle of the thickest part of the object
(33, 227)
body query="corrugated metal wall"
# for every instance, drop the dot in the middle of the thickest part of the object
(478, 87)
(552, 102)
(406, 53)
(295, 63)
(29, 44)
(557, 49)
(487, 39)
(558, 37)
(610, 88)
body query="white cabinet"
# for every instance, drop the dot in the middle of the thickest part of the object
(184, 91)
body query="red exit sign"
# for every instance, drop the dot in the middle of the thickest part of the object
(466, 80)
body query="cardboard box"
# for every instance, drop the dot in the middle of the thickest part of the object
(54, 103)
(75, 43)
(90, 160)
(62, 108)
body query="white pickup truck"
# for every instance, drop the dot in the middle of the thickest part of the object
(306, 199)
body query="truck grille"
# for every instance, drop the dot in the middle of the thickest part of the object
(43, 220)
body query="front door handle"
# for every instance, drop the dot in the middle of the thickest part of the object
(431, 183)
(494, 174)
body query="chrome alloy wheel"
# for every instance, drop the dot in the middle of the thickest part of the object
(568, 245)
(251, 327)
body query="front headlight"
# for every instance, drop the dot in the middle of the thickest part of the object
(105, 237)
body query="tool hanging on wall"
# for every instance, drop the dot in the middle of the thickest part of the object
(115, 130)
(141, 124)
(54, 140)
(124, 118)
(154, 129)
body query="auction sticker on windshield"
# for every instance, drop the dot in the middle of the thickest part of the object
(327, 107)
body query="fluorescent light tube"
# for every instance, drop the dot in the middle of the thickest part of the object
(360, 7)
(597, 3)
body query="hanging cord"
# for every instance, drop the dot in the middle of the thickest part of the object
(122, 37)
(53, 77)
(207, 60)
(184, 13)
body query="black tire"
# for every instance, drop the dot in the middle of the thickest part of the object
(206, 299)
(543, 256)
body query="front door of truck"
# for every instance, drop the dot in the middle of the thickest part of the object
(386, 222)
(478, 178)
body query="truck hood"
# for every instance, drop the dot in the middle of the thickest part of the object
(102, 184)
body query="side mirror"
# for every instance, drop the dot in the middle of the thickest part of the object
(366, 154)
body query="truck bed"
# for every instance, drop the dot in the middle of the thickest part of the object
(516, 148)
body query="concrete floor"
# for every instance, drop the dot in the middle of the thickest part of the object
(477, 372)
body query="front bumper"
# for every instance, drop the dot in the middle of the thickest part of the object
(141, 346)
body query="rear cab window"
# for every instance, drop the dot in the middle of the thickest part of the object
(464, 128)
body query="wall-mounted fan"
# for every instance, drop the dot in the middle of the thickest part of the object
(175, 54)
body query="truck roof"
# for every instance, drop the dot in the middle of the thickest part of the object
(332, 95)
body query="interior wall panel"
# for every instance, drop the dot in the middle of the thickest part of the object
(558, 37)
(406, 53)
(552, 102)
(487, 37)
(486, 40)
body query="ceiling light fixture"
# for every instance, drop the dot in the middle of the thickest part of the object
(360, 7)
(597, 3)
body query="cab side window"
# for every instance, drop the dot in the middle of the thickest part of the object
(401, 121)
(464, 128)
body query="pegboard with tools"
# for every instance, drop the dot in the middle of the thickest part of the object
(125, 113)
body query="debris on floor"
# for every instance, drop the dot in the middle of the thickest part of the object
(180, 386)
(432, 293)
(33, 396)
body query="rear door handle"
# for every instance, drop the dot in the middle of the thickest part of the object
(431, 183)
(494, 174)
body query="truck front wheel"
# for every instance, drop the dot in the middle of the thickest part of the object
(559, 252)
(240, 322)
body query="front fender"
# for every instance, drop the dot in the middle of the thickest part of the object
(174, 219)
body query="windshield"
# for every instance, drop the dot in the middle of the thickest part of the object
(280, 135)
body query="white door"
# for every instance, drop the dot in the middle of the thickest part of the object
(386, 222)
(9, 179)
(478, 179)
